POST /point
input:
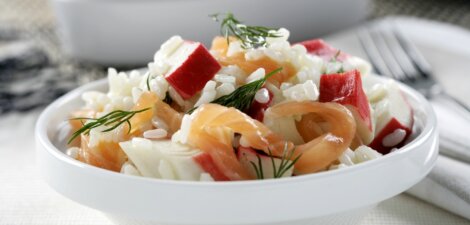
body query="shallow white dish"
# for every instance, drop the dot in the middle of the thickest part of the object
(334, 197)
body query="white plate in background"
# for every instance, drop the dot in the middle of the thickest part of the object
(126, 32)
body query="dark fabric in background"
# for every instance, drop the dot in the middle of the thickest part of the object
(451, 11)
(33, 70)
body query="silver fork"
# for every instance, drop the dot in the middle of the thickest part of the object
(392, 54)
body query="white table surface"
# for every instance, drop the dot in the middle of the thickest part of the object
(26, 199)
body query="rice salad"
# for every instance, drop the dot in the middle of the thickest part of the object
(252, 106)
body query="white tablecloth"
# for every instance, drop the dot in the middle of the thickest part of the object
(26, 199)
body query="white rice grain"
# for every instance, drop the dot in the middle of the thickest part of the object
(244, 142)
(107, 108)
(134, 74)
(364, 153)
(233, 48)
(394, 138)
(347, 157)
(234, 71)
(161, 87)
(222, 78)
(136, 93)
(282, 33)
(97, 136)
(182, 134)
(160, 67)
(158, 123)
(256, 75)
(307, 91)
(176, 97)
(158, 133)
(208, 94)
(286, 85)
(299, 49)
(121, 84)
(311, 90)
(168, 48)
(275, 55)
(224, 89)
(254, 54)
(277, 93)
(262, 96)
(281, 46)
(354, 62)
(128, 103)
(210, 85)
(95, 100)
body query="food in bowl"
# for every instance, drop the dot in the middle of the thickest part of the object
(253, 106)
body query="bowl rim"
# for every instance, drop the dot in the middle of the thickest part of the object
(41, 128)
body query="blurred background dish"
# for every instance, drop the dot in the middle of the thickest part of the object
(124, 32)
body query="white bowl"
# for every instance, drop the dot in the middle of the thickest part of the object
(129, 31)
(335, 197)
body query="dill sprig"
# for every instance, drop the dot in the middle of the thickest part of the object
(242, 97)
(249, 36)
(284, 165)
(334, 59)
(258, 169)
(148, 80)
(113, 119)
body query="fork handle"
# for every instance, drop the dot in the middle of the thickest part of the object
(453, 104)
(453, 118)
(464, 107)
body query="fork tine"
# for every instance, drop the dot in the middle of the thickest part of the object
(392, 54)
(401, 57)
(372, 52)
(387, 55)
(372, 37)
(415, 55)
